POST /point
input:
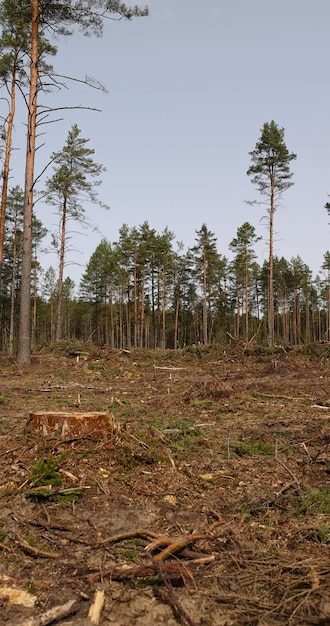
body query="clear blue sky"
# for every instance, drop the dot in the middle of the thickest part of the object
(190, 87)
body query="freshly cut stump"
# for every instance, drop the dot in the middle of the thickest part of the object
(61, 425)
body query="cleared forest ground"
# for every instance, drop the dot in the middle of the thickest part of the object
(209, 503)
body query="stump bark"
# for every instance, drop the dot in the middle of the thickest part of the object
(63, 425)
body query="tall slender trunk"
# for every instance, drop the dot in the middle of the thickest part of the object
(6, 166)
(176, 318)
(34, 316)
(163, 342)
(135, 304)
(142, 322)
(307, 320)
(24, 339)
(271, 266)
(328, 317)
(205, 329)
(246, 296)
(238, 312)
(111, 320)
(58, 331)
(12, 291)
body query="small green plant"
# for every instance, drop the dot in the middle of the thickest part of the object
(323, 534)
(4, 426)
(130, 555)
(184, 435)
(201, 404)
(31, 588)
(125, 458)
(314, 501)
(117, 373)
(44, 472)
(3, 400)
(249, 447)
(148, 581)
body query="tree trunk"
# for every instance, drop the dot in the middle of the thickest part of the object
(205, 335)
(12, 291)
(246, 297)
(163, 342)
(271, 267)
(6, 167)
(24, 339)
(58, 331)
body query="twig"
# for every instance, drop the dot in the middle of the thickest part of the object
(173, 600)
(177, 545)
(142, 443)
(122, 572)
(303, 445)
(125, 571)
(286, 467)
(172, 369)
(121, 536)
(26, 547)
(166, 541)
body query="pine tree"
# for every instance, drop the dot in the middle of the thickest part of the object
(245, 256)
(206, 266)
(55, 17)
(270, 173)
(71, 185)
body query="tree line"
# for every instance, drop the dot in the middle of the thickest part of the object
(145, 291)
(140, 291)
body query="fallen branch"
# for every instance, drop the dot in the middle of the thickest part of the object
(26, 547)
(122, 536)
(57, 612)
(173, 600)
(177, 545)
(293, 476)
(125, 571)
(171, 369)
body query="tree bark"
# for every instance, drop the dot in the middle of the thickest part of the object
(6, 168)
(24, 339)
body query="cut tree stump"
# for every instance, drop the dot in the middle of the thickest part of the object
(63, 425)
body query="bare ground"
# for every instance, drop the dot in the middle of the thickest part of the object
(209, 504)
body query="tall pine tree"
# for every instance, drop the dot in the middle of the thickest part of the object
(271, 175)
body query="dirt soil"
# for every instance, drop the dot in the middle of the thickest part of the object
(208, 503)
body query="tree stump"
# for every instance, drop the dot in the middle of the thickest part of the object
(62, 425)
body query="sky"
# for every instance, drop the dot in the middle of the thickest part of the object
(189, 90)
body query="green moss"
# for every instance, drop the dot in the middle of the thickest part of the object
(249, 447)
(314, 501)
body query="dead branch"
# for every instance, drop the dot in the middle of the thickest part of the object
(122, 536)
(125, 571)
(170, 369)
(320, 406)
(57, 612)
(177, 545)
(173, 600)
(293, 476)
(32, 550)
(161, 542)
